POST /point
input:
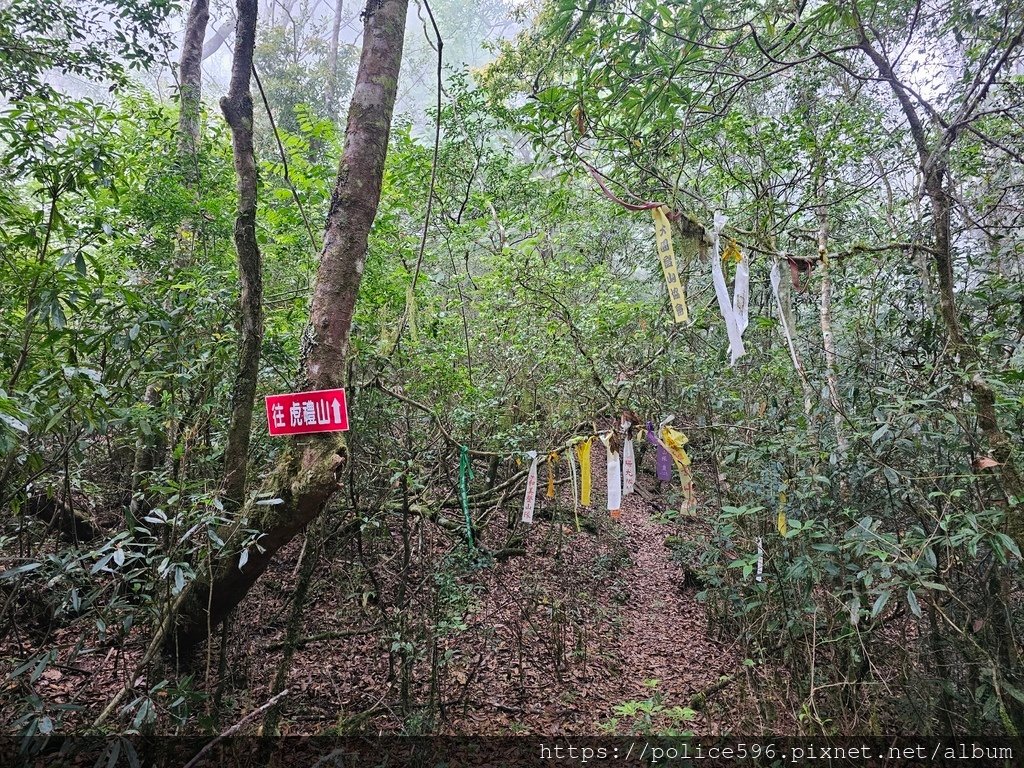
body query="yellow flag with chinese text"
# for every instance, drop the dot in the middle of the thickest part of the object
(663, 243)
(583, 453)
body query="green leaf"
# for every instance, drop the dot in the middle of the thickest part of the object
(1008, 544)
(879, 433)
(929, 558)
(10, 573)
(880, 603)
(13, 423)
(915, 607)
(142, 715)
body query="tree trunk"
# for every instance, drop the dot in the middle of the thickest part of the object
(982, 393)
(936, 182)
(936, 179)
(356, 194)
(190, 95)
(237, 109)
(309, 470)
(825, 313)
(332, 63)
(190, 82)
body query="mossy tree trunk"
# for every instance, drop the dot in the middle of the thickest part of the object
(238, 111)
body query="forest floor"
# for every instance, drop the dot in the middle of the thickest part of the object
(647, 646)
(590, 629)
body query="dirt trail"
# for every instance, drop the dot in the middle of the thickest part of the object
(666, 636)
(636, 634)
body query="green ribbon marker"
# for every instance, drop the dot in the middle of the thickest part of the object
(465, 475)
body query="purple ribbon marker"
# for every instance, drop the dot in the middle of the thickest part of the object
(663, 460)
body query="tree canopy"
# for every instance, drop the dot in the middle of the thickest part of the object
(825, 533)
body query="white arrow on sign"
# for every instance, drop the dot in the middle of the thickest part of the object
(337, 411)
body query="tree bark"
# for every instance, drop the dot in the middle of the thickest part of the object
(356, 195)
(828, 342)
(309, 471)
(935, 174)
(332, 63)
(932, 159)
(238, 111)
(190, 81)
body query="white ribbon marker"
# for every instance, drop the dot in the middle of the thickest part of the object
(614, 476)
(741, 295)
(736, 350)
(776, 279)
(531, 489)
(760, 559)
(628, 468)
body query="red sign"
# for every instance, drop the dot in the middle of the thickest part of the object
(298, 413)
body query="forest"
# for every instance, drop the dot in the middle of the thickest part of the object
(470, 375)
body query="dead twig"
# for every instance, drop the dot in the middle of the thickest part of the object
(334, 635)
(234, 729)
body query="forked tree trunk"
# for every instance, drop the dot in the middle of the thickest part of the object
(237, 109)
(935, 175)
(936, 178)
(309, 471)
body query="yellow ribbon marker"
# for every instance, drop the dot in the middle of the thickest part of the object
(782, 524)
(674, 440)
(663, 242)
(583, 453)
(732, 253)
(552, 458)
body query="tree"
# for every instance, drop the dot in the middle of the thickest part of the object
(238, 111)
(333, 73)
(190, 79)
(308, 473)
(190, 100)
(299, 65)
